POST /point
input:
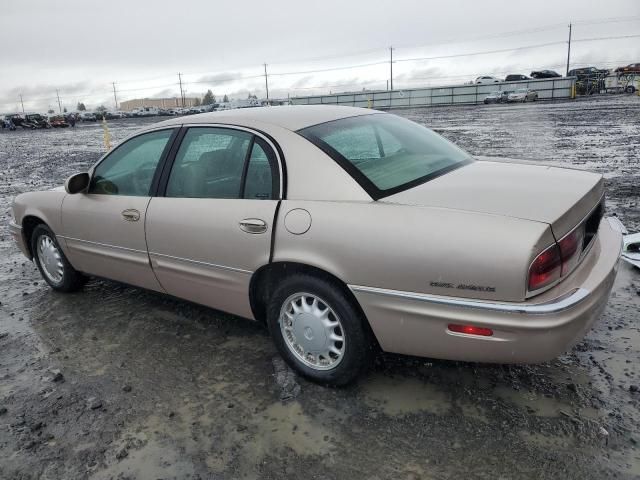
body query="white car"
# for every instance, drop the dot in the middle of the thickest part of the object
(522, 95)
(487, 79)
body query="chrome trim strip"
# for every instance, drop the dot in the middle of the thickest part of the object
(556, 305)
(116, 247)
(205, 264)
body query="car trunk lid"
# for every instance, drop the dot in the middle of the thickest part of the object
(557, 196)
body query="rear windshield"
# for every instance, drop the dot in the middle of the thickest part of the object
(386, 153)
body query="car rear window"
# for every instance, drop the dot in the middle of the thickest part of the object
(386, 153)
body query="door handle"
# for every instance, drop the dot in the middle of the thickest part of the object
(131, 215)
(253, 225)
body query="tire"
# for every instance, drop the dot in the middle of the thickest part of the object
(48, 255)
(630, 89)
(356, 347)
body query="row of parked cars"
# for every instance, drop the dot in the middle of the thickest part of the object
(33, 121)
(632, 68)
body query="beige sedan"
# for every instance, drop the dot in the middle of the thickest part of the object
(343, 229)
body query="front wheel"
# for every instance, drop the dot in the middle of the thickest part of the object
(318, 330)
(53, 265)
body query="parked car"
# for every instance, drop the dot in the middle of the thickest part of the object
(487, 79)
(516, 78)
(20, 121)
(545, 74)
(587, 72)
(341, 228)
(496, 97)
(523, 95)
(35, 120)
(58, 121)
(88, 117)
(112, 115)
(631, 68)
(8, 122)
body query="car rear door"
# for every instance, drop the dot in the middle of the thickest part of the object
(210, 227)
(103, 229)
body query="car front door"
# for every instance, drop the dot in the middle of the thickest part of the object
(104, 228)
(210, 227)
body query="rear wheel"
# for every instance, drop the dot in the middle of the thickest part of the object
(318, 330)
(53, 265)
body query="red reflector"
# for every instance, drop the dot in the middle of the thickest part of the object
(471, 330)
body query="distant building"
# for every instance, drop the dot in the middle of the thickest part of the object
(166, 103)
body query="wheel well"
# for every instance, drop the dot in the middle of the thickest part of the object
(29, 223)
(265, 279)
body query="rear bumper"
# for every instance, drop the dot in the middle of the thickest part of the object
(18, 237)
(528, 332)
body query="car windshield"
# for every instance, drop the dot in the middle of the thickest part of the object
(386, 153)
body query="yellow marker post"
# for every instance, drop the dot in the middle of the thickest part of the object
(107, 134)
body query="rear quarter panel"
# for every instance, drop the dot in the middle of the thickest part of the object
(415, 249)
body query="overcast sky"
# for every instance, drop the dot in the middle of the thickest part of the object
(79, 47)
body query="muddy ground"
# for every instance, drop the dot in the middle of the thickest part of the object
(118, 383)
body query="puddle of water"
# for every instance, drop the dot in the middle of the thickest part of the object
(545, 441)
(402, 396)
(474, 412)
(154, 460)
(286, 425)
(543, 406)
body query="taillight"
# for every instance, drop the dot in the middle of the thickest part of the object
(546, 268)
(570, 250)
(557, 261)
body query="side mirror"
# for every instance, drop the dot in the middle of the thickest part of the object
(77, 183)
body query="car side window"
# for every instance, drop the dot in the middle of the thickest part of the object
(209, 163)
(259, 181)
(130, 168)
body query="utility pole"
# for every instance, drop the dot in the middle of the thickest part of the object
(266, 82)
(59, 104)
(391, 65)
(181, 93)
(569, 50)
(115, 97)
(22, 103)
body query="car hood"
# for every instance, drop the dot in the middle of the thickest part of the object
(558, 196)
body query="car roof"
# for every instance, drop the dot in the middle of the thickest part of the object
(290, 117)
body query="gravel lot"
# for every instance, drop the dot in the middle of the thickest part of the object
(119, 383)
